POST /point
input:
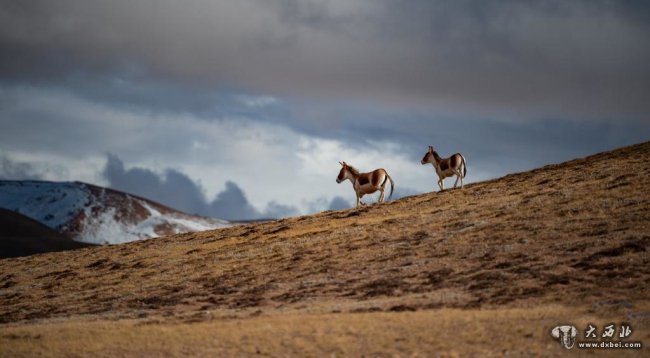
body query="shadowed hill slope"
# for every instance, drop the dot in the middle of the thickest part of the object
(22, 236)
(574, 234)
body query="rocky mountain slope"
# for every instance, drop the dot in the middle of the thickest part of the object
(483, 271)
(96, 215)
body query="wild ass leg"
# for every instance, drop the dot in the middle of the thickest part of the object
(458, 176)
(441, 184)
(461, 178)
(358, 198)
(359, 202)
(381, 195)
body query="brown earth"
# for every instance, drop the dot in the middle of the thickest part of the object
(22, 236)
(486, 270)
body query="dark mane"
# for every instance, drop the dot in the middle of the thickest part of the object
(353, 170)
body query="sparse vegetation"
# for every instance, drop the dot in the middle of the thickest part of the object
(486, 270)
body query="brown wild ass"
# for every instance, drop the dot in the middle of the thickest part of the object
(454, 165)
(365, 183)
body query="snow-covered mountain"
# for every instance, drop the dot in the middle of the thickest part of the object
(97, 215)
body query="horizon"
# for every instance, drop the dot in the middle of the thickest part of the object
(243, 110)
(373, 200)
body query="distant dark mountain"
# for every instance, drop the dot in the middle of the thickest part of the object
(96, 215)
(22, 236)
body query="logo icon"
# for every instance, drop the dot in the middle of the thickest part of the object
(566, 335)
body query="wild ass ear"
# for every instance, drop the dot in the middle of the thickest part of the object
(342, 164)
(431, 148)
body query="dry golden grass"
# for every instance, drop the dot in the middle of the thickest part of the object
(563, 243)
(444, 332)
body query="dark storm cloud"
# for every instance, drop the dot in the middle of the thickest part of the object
(493, 146)
(173, 188)
(568, 58)
(277, 210)
(401, 192)
(12, 170)
(338, 203)
(231, 204)
(177, 190)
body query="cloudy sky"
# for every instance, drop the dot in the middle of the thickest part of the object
(242, 109)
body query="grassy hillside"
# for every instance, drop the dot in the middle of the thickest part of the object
(488, 269)
(22, 236)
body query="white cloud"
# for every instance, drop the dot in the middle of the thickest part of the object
(271, 163)
(257, 101)
(55, 167)
(320, 164)
(60, 136)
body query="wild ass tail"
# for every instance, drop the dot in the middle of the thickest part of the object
(392, 186)
(464, 166)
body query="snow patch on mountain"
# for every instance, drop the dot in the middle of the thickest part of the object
(51, 204)
(98, 215)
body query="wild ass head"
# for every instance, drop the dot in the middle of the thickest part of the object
(428, 156)
(343, 174)
(347, 172)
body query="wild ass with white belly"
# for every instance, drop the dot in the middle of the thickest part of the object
(366, 183)
(446, 167)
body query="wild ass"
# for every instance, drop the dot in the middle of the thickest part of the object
(454, 165)
(365, 183)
